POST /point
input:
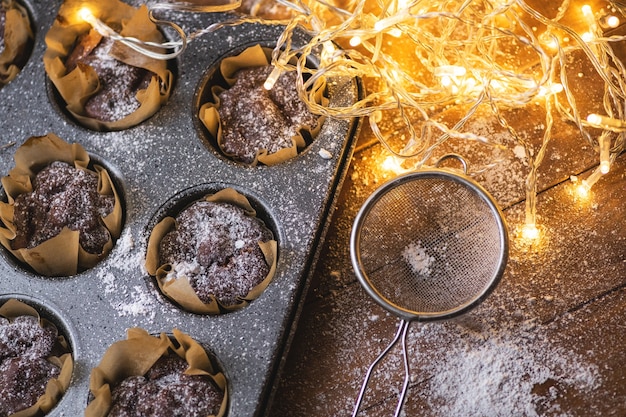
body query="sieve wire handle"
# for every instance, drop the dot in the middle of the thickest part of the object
(401, 333)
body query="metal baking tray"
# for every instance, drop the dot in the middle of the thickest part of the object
(157, 165)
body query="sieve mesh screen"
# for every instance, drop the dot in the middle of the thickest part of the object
(430, 245)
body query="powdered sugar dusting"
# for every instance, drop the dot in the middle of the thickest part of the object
(139, 303)
(506, 375)
(128, 265)
(469, 366)
(417, 258)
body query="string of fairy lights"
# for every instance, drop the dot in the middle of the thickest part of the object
(465, 53)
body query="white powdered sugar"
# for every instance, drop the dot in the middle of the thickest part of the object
(128, 266)
(417, 258)
(139, 302)
(507, 375)
(184, 269)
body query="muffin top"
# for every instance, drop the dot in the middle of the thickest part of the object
(62, 196)
(216, 246)
(166, 391)
(119, 82)
(24, 371)
(253, 118)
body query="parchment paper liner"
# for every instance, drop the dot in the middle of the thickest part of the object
(61, 255)
(18, 36)
(254, 56)
(81, 83)
(136, 355)
(56, 387)
(180, 290)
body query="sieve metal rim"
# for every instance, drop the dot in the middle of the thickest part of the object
(370, 202)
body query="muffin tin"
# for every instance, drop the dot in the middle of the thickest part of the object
(158, 166)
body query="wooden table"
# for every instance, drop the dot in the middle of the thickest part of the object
(550, 340)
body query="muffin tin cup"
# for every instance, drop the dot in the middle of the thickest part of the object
(219, 78)
(179, 290)
(63, 254)
(18, 41)
(155, 161)
(23, 305)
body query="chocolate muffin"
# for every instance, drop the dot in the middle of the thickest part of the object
(165, 390)
(119, 82)
(253, 118)
(62, 196)
(15, 46)
(105, 85)
(24, 370)
(216, 246)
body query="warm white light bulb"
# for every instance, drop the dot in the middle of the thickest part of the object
(380, 25)
(583, 189)
(446, 81)
(552, 89)
(395, 32)
(605, 167)
(548, 40)
(587, 37)
(594, 119)
(355, 41)
(86, 14)
(612, 21)
(393, 164)
(272, 78)
(530, 231)
(605, 122)
(450, 71)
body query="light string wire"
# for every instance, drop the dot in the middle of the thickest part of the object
(468, 54)
(159, 50)
(479, 53)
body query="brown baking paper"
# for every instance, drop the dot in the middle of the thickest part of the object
(61, 255)
(136, 355)
(180, 290)
(56, 387)
(77, 86)
(18, 36)
(255, 56)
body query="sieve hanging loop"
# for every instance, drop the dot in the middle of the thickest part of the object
(453, 156)
(426, 246)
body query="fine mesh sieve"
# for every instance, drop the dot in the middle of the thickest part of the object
(428, 245)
